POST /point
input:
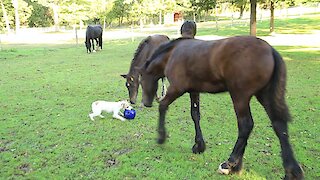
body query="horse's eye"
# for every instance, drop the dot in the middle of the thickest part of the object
(127, 84)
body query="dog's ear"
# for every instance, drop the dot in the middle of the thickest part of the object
(123, 104)
(123, 75)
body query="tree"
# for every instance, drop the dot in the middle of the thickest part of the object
(120, 10)
(5, 16)
(25, 11)
(54, 5)
(241, 5)
(41, 15)
(15, 4)
(253, 19)
(74, 11)
(203, 5)
(271, 16)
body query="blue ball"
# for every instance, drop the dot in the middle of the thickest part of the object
(129, 113)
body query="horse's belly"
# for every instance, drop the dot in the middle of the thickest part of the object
(208, 87)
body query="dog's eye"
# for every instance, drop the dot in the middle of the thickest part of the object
(127, 84)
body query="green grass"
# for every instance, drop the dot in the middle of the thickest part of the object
(45, 96)
(306, 24)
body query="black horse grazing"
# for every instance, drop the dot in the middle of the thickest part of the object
(143, 52)
(188, 29)
(93, 33)
(245, 66)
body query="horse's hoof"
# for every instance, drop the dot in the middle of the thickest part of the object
(161, 140)
(198, 148)
(295, 173)
(162, 136)
(224, 168)
(230, 168)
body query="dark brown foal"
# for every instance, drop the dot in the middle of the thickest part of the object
(244, 66)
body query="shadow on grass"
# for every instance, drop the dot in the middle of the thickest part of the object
(300, 53)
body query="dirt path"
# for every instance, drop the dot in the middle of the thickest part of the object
(34, 37)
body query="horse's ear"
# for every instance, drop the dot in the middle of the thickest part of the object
(123, 75)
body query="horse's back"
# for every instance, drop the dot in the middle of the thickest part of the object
(94, 31)
(156, 40)
(221, 65)
(248, 63)
(146, 48)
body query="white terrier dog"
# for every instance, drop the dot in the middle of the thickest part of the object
(111, 107)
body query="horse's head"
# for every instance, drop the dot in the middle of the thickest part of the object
(149, 83)
(132, 84)
(88, 46)
(188, 29)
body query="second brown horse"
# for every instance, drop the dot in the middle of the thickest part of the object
(244, 66)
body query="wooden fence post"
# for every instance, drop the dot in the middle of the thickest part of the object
(76, 35)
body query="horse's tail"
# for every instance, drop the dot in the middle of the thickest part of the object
(276, 90)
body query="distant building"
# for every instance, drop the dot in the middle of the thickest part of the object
(171, 18)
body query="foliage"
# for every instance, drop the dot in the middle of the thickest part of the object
(10, 12)
(25, 11)
(41, 15)
(75, 11)
(203, 5)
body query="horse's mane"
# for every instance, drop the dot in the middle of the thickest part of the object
(164, 48)
(138, 51)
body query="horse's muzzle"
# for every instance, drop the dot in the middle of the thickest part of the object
(147, 105)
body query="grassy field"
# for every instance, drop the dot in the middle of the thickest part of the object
(45, 96)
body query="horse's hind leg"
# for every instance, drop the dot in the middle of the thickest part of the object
(93, 49)
(245, 126)
(199, 145)
(100, 41)
(279, 116)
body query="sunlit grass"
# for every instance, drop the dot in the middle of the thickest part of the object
(303, 25)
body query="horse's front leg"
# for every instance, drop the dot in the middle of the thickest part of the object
(245, 126)
(199, 145)
(171, 95)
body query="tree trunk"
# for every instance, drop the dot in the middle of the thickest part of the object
(55, 9)
(216, 17)
(141, 23)
(241, 11)
(160, 17)
(271, 16)
(253, 18)
(5, 16)
(16, 14)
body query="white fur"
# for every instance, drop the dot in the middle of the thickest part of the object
(110, 107)
(223, 171)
